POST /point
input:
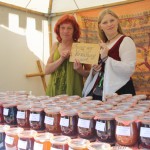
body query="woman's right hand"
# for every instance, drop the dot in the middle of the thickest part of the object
(65, 54)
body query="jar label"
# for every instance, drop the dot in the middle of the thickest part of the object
(34, 117)
(64, 122)
(83, 123)
(49, 120)
(70, 148)
(20, 115)
(9, 140)
(52, 148)
(100, 126)
(22, 144)
(38, 146)
(122, 130)
(145, 132)
(5, 112)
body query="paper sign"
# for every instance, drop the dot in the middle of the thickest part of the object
(86, 53)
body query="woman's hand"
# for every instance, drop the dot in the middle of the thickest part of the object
(97, 68)
(65, 54)
(77, 66)
(103, 50)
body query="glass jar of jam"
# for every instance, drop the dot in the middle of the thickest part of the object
(9, 113)
(3, 128)
(23, 114)
(68, 123)
(36, 118)
(99, 146)
(42, 141)
(60, 142)
(1, 112)
(145, 132)
(11, 139)
(78, 144)
(52, 120)
(86, 125)
(105, 127)
(126, 130)
(26, 139)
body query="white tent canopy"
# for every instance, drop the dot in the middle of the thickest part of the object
(53, 7)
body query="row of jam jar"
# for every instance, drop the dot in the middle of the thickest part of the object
(68, 123)
(20, 139)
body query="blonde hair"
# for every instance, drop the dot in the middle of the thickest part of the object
(101, 33)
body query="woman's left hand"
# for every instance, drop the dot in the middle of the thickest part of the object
(103, 50)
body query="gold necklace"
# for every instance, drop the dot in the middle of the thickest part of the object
(113, 37)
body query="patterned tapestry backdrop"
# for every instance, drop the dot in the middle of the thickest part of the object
(135, 21)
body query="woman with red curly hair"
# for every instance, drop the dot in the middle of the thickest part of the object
(65, 77)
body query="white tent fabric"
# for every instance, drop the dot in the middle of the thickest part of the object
(61, 6)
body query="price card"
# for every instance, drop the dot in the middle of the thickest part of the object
(86, 53)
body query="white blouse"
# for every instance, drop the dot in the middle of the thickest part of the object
(117, 73)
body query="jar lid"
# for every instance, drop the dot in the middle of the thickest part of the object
(28, 134)
(107, 106)
(126, 119)
(105, 116)
(10, 104)
(140, 97)
(4, 128)
(136, 113)
(99, 146)
(86, 114)
(60, 140)
(115, 111)
(42, 137)
(97, 102)
(88, 97)
(14, 131)
(23, 107)
(36, 109)
(52, 110)
(145, 119)
(74, 97)
(78, 143)
(99, 109)
(69, 112)
(75, 103)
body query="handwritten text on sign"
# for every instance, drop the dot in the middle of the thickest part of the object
(86, 53)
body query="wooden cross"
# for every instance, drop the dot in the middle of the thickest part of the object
(41, 74)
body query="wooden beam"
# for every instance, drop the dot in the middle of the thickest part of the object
(41, 74)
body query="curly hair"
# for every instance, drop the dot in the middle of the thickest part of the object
(68, 19)
(101, 15)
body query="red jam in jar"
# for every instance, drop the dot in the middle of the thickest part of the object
(11, 139)
(145, 132)
(52, 120)
(36, 118)
(26, 139)
(86, 125)
(68, 123)
(126, 130)
(42, 141)
(78, 144)
(105, 127)
(60, 142)
(23, 114)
